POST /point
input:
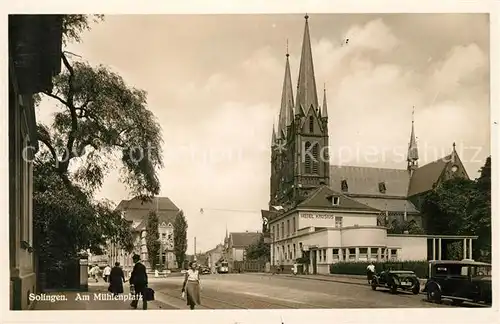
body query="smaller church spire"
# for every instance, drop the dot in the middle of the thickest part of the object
(273, 138)
(412, 158)
(324, 112)
(286, 110)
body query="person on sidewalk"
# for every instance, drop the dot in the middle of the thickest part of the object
(116, 280)
(94, 272)
(191, 287)
(139, 278)
(106, 272)
(370, 271)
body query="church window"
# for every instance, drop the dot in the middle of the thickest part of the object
(311, 124)
(381, 187)
(307, 158)
(344, 186)
(315, 163)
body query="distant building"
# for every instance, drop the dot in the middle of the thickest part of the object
(136, 212)
(34, 58)
(344, 213)
(214, 255)
(236, 245)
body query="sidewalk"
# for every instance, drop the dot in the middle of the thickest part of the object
(89, 300)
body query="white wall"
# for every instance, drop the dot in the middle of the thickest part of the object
(364, 236)
(325, 219)
(411, 247)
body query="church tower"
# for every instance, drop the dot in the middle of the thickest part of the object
(300, 153)
(412, 156)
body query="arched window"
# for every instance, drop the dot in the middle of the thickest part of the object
(311, 124)
(315, 162)
(307, 158)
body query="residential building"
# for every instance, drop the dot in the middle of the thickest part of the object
(136, 212)
(34, 58)
(213, 256)
(235, 245)
(344, 213)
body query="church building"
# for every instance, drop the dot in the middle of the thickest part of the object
(339, 213)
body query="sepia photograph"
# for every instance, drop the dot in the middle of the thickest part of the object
(162, 162)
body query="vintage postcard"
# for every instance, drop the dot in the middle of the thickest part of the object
(295, 164)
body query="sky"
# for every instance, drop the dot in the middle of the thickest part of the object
(214, 83)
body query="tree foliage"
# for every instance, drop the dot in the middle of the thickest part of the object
(462, 207)
(98, 117)
(402, 226)
(180, 238)
(259, 250)
(153, 239)
(67, 222)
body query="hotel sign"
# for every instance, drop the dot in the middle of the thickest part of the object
(317, 216)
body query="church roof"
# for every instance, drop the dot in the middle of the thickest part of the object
(322, 198)
(366, 180)
(391, 205)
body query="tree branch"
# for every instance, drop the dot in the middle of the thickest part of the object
(63, 167)
(64, 102)
(49, 146)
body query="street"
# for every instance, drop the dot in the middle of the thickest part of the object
(264, 291)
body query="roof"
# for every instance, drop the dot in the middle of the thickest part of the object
(244, 239)
(136, 210)
(462, 262)
(389, 204)
(365, 180)
(322, 198)
(163, 217)
(426, 176)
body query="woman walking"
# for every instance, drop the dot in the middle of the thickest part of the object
(191, 286)
(116, 280)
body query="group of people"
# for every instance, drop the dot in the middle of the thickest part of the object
(139, 281)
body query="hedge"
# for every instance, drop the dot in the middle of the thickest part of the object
(421, 268)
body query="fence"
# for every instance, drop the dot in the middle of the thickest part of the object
(249, 266)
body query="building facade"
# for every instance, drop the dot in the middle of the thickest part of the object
(235, 245)
(34, 58)
(343, 213)
(136, 212)
(213, 257)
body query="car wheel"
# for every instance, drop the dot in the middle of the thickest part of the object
(374, 285)
(433, 294)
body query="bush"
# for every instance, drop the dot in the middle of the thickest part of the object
(421, 268)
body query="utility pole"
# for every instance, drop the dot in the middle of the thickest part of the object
(195, 248)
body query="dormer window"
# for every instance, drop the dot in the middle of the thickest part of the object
(343, 186)
(381, 187)
(335, 201)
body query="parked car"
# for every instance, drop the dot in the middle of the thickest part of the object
(205, 270)
(393, 280)
(460, 281)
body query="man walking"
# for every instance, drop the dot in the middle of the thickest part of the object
(139, 278)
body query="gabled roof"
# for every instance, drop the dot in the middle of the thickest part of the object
(163, 203)
(322, 198)
(426, 176)
(242, 240)
(365, 180)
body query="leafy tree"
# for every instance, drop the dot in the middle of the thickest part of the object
(153, 239)
(98, 117)
(180, 238)
(400, 227)
(259, 250)
(462, 207)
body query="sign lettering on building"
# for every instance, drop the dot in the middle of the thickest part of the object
(317, 216)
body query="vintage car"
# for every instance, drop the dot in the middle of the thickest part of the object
(204, 270)
(395, 279)
(460, 281)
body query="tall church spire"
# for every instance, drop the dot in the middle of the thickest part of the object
(286, 111)
(273, 138)
(307, 95)
(412, 158)
(324, 110)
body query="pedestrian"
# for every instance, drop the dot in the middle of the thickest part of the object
(116, 280)
(370, 271)
(191, 287)
(295, 268)
(94, 272)
(106, 272)
(139, 279)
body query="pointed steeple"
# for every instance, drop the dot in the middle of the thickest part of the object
(412, 157)
(273, 138)
(286, 111)
(307, 95)
(324, 110)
